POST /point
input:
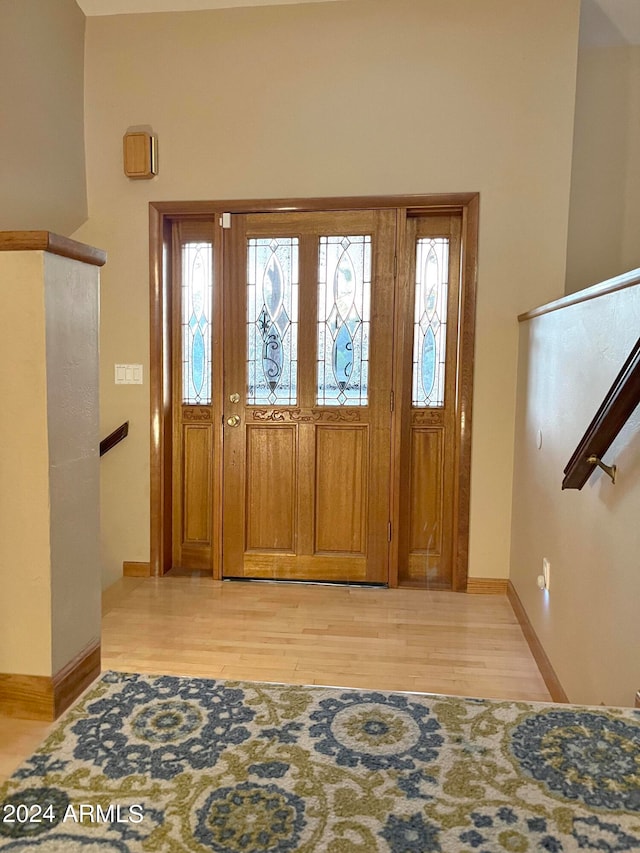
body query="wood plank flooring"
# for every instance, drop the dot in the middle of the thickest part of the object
(389, 639)
(18, 739)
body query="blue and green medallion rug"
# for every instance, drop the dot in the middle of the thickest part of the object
(175, 764)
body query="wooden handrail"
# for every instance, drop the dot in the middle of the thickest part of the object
(617, 407)
(114, 438)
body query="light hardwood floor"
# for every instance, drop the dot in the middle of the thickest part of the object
(389, 639)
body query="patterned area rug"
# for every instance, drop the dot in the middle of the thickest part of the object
(174, 764)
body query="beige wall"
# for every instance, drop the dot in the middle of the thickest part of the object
(42, 178)
(631, 227)
(588, 620)
(49, 469)
(604, 218)
(354, 98)
(25, 614)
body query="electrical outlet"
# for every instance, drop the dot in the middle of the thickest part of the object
(546, 572)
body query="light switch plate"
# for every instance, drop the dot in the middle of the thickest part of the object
(128, 374)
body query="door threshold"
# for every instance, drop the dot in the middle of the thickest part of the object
(178, 572)
(359, 584)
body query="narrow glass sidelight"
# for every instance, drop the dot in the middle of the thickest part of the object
(272, 321)
(197, 293)
(344, 317)
(430, 323)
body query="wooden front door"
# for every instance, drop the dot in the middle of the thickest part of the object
(320, 387)
(308, 334)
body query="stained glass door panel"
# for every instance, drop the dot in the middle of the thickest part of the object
(272, 321)
(344, 320)
(426, 515)
(430, 321)
(307, 443)
(196, 432)
(197, 290)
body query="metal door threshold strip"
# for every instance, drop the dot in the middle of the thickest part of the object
(359, 584)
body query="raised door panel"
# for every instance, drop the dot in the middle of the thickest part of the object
(194, 543)
(426, 503)
(271, 488)
(341, 489)
(197, 484)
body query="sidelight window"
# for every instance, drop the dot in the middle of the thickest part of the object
(430, 321)
(197, 290)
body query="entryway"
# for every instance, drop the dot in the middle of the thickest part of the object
(312, 382)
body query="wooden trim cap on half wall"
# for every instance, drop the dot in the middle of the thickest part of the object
(47, 241)
(41, 697)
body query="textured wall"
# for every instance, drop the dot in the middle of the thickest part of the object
(71, 305)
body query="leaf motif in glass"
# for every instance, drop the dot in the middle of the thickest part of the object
(272, 321)
(196, 321)
(344, 308)
(430, 321)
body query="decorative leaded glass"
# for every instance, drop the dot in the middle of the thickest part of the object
(430, 326)
(344, 309)
(272, 321)
(197, 291)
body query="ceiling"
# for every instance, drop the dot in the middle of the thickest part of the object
(609, 22)
(602, 22)
(124, 7)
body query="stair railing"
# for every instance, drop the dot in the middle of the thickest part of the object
(114, 438)
(617, 407)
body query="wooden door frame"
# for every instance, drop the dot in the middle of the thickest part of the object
(161, 216)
